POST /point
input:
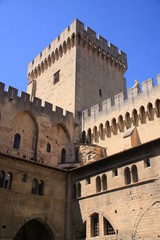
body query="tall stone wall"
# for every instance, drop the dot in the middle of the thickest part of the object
(127, 203)
(19, 205)
(127, 122)
(43, 131)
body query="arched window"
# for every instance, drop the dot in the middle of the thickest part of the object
(127, 175)
(142, 114)
(157, 105)
(48, 149)
(89, 136)
(94, 225)
(134, 173)
(104, 182)
(150, 111)
(98, 184)
(63, 155)
(41, 188)
(78, 190)
(121, 123)
(108, 129)
(2, 175)
(108, 228)
(100, 92)
(17, 140)
(24, 178)
(114, 126)
(135, 117)
(128, 120)
(101, 131)
(95, 134)
(83, 137)
(8, 181)
(34, 186)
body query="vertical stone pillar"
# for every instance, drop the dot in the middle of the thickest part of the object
(101, 228)
(88, 228)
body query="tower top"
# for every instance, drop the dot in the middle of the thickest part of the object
(75, 31)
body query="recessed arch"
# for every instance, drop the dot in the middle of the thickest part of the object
(108, 129)
(142, 114)
(135, 117)
(25, 124)
(150, 111)
(114, 126)
(157, 107)
(128, 120)
(89, 136)
(101, 131)
(95, 134)
(34, 230)
(121, 123)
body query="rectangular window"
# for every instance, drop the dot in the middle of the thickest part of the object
(56, 77)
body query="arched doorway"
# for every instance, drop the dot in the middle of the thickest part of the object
(34, 230)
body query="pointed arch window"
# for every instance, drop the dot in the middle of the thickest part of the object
(17, 140)
(108, 228)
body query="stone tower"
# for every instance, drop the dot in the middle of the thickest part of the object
(77, 70)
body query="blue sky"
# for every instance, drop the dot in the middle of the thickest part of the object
(28, 26)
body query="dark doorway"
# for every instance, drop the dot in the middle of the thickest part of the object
(34, 230)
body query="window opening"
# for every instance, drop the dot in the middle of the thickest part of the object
(78, 190)
(63, 156)
(48, 149)
(134, 173)
(100, 92)
(2, 175)
(41, 188)
(34, 186)
(56, 77)
(24, 178)
(88, 180)
(17, 140)
(8, 181)
(98, 184)
(108, 229)
(147, 163)
(127, 175)
(95, 225)
(104, 182)
(115, 172)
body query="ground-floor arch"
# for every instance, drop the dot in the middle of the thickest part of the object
(34, 230)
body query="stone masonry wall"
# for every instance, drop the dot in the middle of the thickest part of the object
(109, 123)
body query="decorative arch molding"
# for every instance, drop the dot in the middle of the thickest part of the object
(63, 127)
(142, 213)
(48, 223)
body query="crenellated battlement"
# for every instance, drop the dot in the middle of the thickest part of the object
(70, 37)
(119, 103)
(36, 106)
